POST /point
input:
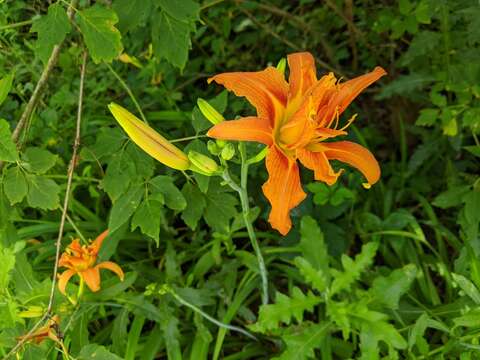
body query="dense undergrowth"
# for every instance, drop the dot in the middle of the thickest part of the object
(392, 272)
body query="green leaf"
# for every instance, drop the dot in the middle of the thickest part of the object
(452, 197)
(42, 192)
(181, 10)
(423, 13)
(7, 259)
(196, 204)
(428, 117)
(51, 29)
(15, 184)
(301, 341)
(119, 331)
(220, 209)
(285, 308)
(8, 150)
(470, 319)
(312, 244)
(388, 290)
(5, 86)
(102, 38)
(171, 334)
(316, 277)
(125, 206)
(353, 268)
(173, 197)
(171, 39)
(131, 13)
(147, 218)
(120, 173)
(96, 352)
(468, 287)
(38, 160)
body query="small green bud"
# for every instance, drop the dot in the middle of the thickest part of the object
(221, 143)
(202, 164)
(281, 66)
(228, 151)
(209, 112)
(213, 148)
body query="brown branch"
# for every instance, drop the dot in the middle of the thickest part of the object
(52, 61)
(58, 243)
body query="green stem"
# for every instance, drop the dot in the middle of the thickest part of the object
(15, 25)
(243, 194)
(205, 315)
(129, 92)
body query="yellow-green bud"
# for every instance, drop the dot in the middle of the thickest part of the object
(281, 66)
(228, 151)
(32, 312)
(149, 140)
(202, 164)
(213, 148)
(209, 112)
(221, 143)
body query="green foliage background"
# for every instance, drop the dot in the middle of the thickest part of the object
(393, 272)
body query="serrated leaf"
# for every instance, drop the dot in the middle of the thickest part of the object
(173, 197)
(171, 39)
(42, 192)
(38, 160)
(15, 184)
(220, 209)
(316, 277)
(51, 29)
(181, 10)
(131, 13)
(353, 268)
(147, 218)
(301, 341)
(120, 173)
(103, 40)
(312, 244)
(427, 117)
(196, 204)
(284, 310)
(8, 150)
(388, 290)
(125, 206)
(5, 86)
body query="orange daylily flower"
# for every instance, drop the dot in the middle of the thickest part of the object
(48, 331)
(296, 120)
(81, 260)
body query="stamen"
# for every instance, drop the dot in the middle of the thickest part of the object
(349, 122)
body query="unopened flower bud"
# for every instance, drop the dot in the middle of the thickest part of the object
(202, 164)
(209, 112)
(149, 140)
(228, 151)
(213, 148)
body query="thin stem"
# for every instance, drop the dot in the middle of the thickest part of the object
(129, 92)
(206, 316)
(188, 138)
(15, 25)
(243, 194)
(63, 218)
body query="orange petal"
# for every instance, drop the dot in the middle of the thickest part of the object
(246, 129)
(63, 280)
(97, 243)
(348, 91)
(283, 189)
(356, 156)
(318, 162)
(266, 90)
(302, 73)
(112, 267)
(92, 278)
